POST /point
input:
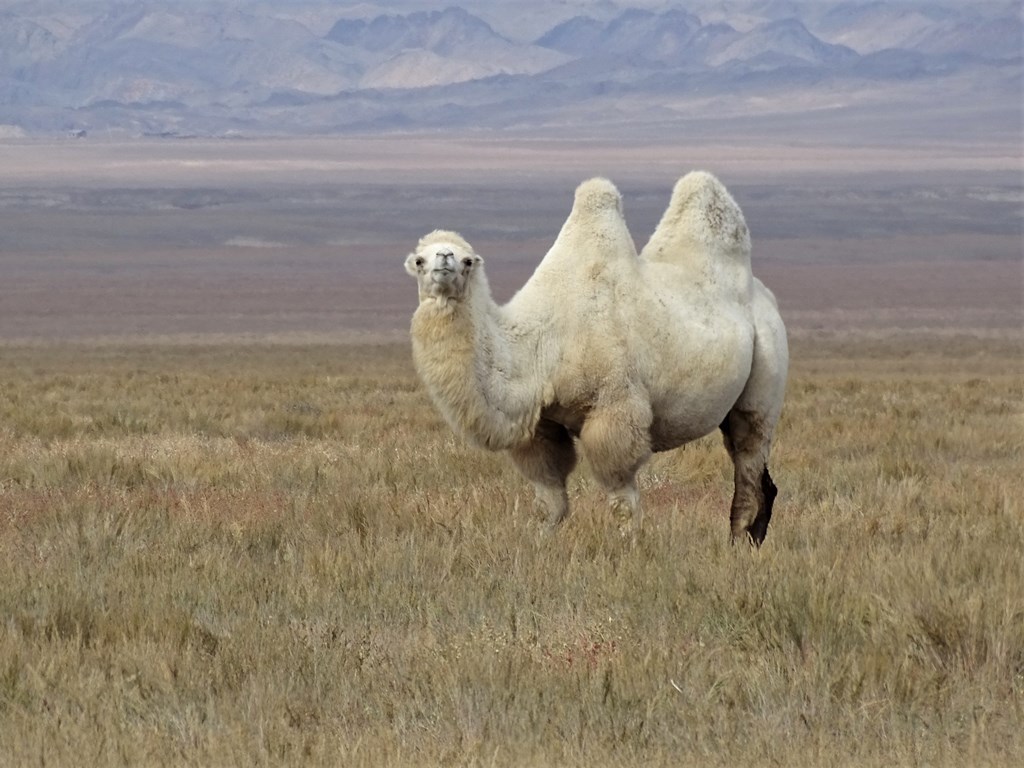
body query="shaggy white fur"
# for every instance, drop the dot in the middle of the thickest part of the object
(625, 354)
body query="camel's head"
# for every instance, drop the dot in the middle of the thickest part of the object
(444, 266)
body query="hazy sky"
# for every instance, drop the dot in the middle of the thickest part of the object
(399, 5)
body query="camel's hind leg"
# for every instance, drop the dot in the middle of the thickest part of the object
(546, 462)
(749, 426)
(748, 440)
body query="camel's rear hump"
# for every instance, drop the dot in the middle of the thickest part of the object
(703, 230)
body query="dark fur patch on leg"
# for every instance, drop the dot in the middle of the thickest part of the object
(726, 435)
(759, 528)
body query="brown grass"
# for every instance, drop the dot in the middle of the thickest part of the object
(279, 555)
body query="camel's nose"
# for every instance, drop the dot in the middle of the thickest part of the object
(446, 261)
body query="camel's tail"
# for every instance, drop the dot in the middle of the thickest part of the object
(702, 224)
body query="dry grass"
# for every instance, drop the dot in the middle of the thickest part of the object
(279, 555)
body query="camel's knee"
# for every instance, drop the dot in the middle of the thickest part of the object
(747, 434)
(626, 508)
(552, 503)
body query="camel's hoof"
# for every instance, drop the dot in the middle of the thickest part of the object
(549, 530)
(550, 525)
(554, 522)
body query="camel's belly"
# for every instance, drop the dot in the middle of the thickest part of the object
(685, 405)
(695, 390)
(684, 416)
(676, 429)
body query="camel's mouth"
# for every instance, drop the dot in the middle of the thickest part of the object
(442, 275)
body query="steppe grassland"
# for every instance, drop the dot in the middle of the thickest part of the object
(280, 555)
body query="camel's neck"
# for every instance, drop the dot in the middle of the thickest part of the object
(486, 377)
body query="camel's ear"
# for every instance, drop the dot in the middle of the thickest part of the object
(414, 264)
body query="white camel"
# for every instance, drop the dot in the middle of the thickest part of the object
(626, 354)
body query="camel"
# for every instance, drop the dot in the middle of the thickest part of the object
(619, 354)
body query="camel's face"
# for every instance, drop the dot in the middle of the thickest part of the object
(442, 270)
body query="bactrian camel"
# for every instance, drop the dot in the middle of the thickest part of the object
(617, 354)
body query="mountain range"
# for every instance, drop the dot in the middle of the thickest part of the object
(218, 68)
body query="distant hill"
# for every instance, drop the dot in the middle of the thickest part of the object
(663, 37)
(216, 68)
(425, 49)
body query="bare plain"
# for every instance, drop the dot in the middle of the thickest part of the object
(235, 531)
(303, 239)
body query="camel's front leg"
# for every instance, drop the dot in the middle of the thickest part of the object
(546, 462)
(617, 443)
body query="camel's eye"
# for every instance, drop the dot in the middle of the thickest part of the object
(419, 261)
(468, 262)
